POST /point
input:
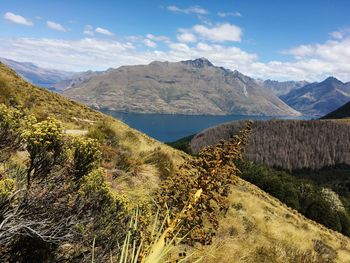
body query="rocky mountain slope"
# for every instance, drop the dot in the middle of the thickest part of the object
(186, 87)
(280, 88)
(77, 79)
(256, 227)
(319, 98)
(37, 75)
(342, 112)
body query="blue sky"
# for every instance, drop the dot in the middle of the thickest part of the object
(265, 39)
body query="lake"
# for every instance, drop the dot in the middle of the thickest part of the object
(170, 127)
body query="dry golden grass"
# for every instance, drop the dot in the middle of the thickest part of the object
(259, 228)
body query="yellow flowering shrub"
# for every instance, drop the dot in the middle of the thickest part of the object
(12, 122)
(45, 146)
(86, 156)
(108, 209)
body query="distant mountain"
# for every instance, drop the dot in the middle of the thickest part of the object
(319, 98)
(37, 75)
(77, 79)
(341, 113)
(186, 87)
(280, 88)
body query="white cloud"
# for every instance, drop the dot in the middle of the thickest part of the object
(220, 33)
(17, 19)
(334, 51)
(104, 31)
(149, 43)
(340, 34)
(226, 14)
(83, 54)
(309, 62)
(300, 51)
(190, 10)
(186, 37)
(88, 30)
(56, 26)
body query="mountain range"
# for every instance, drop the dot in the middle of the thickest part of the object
(280, 88)
(37, 75)
(185, 87)
(188, 87)
(319, 98)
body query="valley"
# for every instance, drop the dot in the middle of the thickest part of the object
(137, 176)
(174, 131)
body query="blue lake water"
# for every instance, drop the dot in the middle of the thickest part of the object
(169, 127)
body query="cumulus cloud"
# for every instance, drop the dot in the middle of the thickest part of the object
(149, 43)
(309, 62)
(190, 10)
(226, 14)
(219, 33)
(17, 19)
(83, 54)
(334, 51)
(104, 31)
(56, 26)
(186, 37)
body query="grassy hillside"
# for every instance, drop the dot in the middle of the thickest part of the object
(255, 227)
(14, 91)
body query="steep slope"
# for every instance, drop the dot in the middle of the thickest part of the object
(42, 103)
(186, 87)
(319, 98)
(259, 228)
(280, 88)
(37, 75)
(342, 112)
(256, 228)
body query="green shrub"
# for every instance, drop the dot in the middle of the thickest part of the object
(7, 186)
(16, 171)
(321, 211)
(345, 223)
(45, 146)
(86, 156)
(108, 209)
(11, 125)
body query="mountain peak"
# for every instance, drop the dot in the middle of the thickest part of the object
(198, 62)
(332, 79)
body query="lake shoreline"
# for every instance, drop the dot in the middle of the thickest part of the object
(171, 127)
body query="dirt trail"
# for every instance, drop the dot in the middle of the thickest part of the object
(75, 132)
